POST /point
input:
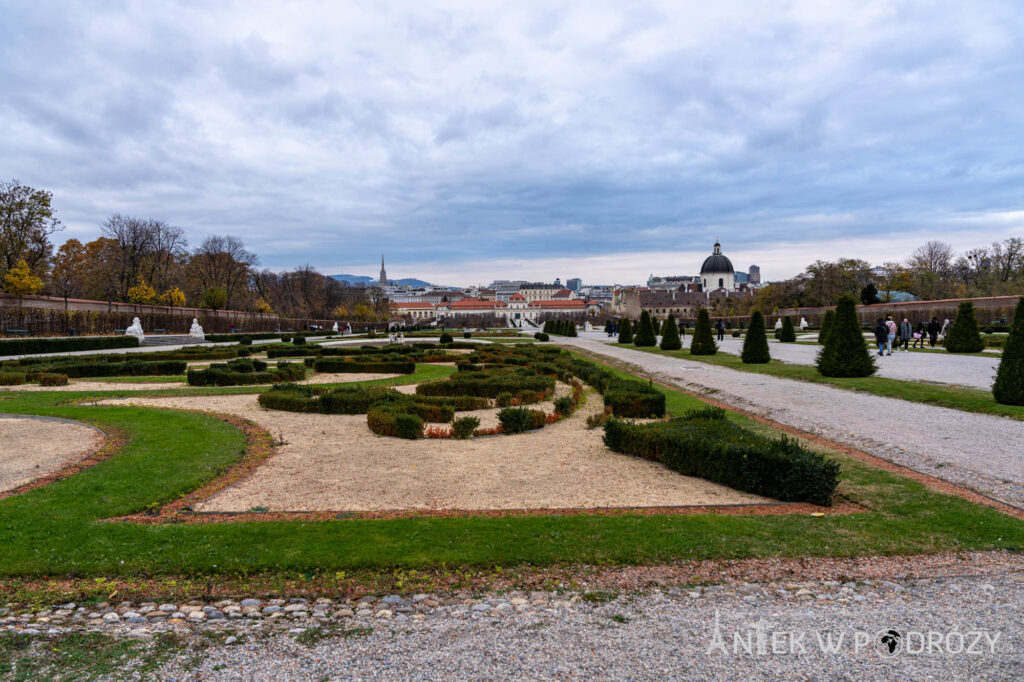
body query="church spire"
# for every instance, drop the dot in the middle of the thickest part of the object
(383, 273)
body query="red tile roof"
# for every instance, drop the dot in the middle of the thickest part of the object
(413, 306)
(568, 303)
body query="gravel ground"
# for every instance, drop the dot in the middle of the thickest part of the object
(664, 635)
(978, 451)
(335, 463)
(944, 368)
(974, 371)
(949, 625)
(33, 447)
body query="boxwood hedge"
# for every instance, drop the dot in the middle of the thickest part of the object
(705, 444)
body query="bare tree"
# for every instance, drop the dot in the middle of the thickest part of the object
(931, 266)
(223, 261)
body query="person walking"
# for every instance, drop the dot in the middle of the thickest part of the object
(881, 334)
(933, 331)
(890, 327)
(720, 326)
(906, 331)
(919, 334)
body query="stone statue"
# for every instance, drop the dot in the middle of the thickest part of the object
(335, 328)
(348, 327)
(803, 323)
(136, 330)
(196, 331)
(778, 323)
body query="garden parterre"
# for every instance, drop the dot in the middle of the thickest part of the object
(60, 528)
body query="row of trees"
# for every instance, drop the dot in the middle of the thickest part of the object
(142, 260)
(933, 271)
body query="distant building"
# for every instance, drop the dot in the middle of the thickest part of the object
(574, 284)
(717, 271)
(755, 275)
(383, 272)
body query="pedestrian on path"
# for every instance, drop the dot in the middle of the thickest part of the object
(891, 335)
(906, 331)
(919, 334)
(933, 331)
(881, 334)
(720, 326)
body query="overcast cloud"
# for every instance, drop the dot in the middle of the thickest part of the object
(470, 140)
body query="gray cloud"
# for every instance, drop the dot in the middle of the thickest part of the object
(327, 135)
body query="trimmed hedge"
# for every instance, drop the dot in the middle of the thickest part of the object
(53, 379)
(705, 444)
(670, 335)
(520, 419)
(541, 336)
(336, 366)
(133, 368)
(72, 343)
(12, 378)
(245, 372)
(486, 385)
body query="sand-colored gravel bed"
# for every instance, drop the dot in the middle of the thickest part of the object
(87, 385)
(334, 462)
(33, 448)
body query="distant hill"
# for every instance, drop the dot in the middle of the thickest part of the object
(361, 279)
(354, 279)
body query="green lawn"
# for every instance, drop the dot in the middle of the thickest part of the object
(58, 530)
(943, 395)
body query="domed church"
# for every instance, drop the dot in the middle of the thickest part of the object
(717, 271)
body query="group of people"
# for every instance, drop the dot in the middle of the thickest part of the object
(906, 335)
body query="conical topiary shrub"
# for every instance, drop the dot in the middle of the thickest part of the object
(788, 334)
(1009, 386)
(826, 325)
(625, 331)
(755, 345)
(964, 336)
(547, 327)
(645, 333)
(845, 353)
(572, 328)
(670, 335)
(703, 340)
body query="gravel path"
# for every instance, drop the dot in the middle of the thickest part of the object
(976, 371)
(955, 616)
(666, 635)
(978, 451)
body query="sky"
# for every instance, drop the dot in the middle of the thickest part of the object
(469, 141)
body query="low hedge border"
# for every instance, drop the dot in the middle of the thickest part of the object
(245, 372)
(703, 443)
(72, 343)
(343, 366)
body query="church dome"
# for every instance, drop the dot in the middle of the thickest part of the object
(716, 262)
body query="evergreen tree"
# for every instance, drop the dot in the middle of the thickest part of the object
(788, 334)
(1009, 386)
(625, 331)
(670, 335)
(703, 340)
(964, 336)
(755, 344)
(869, 294)
(572, 328)
(826, 325)
(845, 353)
(645, 335)
(547, 327)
